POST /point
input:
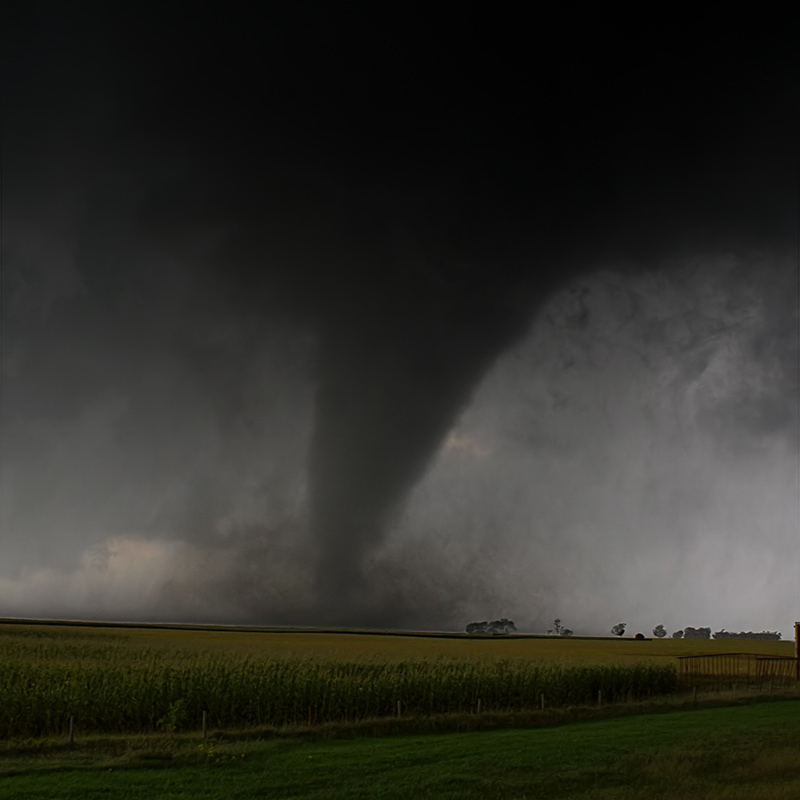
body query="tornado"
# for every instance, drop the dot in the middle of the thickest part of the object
(397, 360)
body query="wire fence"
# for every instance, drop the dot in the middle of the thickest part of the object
(742, 669)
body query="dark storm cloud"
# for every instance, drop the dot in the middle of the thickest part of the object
(599, 473)
(244, 213)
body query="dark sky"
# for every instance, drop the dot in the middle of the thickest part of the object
(260, 264)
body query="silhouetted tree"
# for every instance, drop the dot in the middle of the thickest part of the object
(768, 635)
(559, 629)
(659, 631)
(478, 627)
(696, 633)
(677, 635)
(503, 625)
(619, 629)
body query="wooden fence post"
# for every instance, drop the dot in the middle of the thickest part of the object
(204, 724)
(71, 730)
(797, 651)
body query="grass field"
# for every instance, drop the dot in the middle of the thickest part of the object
(738, 753)
(392, 646)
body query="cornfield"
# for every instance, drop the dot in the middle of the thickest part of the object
(108, 688)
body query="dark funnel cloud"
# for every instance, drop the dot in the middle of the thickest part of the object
(397, 360)
(257, 267)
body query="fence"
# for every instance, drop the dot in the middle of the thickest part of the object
(742, 669)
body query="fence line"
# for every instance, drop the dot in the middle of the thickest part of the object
(737, 668)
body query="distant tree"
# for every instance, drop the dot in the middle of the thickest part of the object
(677, 635)
(618, 629)
(639, 637)
(559, 630)
(696, 633)
(478, 627)
(769, 635)
(659, 632)
(503, 625)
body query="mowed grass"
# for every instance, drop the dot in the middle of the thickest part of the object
(749, 752)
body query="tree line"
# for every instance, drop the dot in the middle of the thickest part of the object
(497, 626)
(702, 633)
(504, 625)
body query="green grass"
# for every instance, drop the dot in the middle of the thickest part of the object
(731, 753)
